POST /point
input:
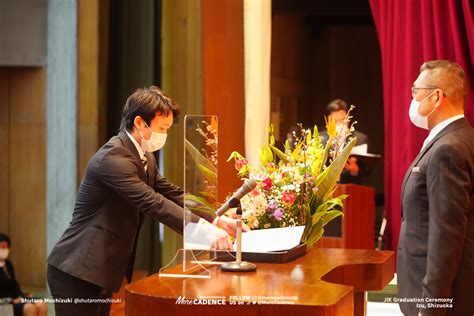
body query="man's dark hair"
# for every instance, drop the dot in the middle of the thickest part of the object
(147, 103)
(4, 237)
(336, 105)
(447, 76)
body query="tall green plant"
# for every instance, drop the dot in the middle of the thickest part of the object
(323, 207)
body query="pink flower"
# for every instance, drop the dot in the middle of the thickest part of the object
(254, 192)
(278, 214)
(288, 197)
(239, 164)
(268, 184)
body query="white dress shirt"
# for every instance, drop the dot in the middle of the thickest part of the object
(439, 127)
(137, 145)
(141, 153)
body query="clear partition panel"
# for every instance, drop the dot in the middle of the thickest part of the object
(200, 199)
(268, 202)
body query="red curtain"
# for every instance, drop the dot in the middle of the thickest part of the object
(411, 32)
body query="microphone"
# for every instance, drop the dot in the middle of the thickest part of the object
(248, 186)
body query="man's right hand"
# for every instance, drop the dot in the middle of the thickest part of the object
(229, 225)
(222, 242)
(217, 237)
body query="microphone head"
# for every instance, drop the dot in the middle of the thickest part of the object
(249, 185)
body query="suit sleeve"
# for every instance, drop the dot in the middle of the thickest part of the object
(169, 190)
(449, 188)
(118, 171)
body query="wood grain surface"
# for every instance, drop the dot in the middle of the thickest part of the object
(323, 282)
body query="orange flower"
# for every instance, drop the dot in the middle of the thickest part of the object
(331, 126)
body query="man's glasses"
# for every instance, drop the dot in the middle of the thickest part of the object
(414, 90)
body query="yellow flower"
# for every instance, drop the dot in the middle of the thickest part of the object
(331, 126)
(296, 152)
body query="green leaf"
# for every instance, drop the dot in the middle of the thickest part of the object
(315, 232)
(287, 147)
(199, 158)
(279, 153)
(209, 175)
(321, 177)
(244, 171)
(335, 169)
(332, 202)
(326, 154)
(330, 215)
(196, 203)
(315, 236)
(266, 155)
(322, 208)
(316, 217)
(343, 196)
(235, 155)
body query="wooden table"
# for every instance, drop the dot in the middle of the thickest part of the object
(323, 282)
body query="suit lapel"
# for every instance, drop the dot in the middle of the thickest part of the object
(127, 142)
(451, 127)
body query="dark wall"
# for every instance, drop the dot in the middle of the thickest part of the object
(323, 50)
(134, 53)
(134, 62)
(346, 64)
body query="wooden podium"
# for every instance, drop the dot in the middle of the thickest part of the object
(354, 230)
(323, 282)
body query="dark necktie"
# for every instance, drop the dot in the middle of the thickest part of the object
(144, 163)
(145, 167)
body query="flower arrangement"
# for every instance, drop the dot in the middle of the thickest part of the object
(296, 186)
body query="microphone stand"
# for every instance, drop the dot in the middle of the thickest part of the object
(238, 265)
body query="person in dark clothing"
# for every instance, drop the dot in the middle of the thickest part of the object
(10, 290)
(354, 170)
(121, 185)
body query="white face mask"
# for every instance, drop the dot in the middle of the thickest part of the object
(4, 254)
(156, 141)
(416, 118)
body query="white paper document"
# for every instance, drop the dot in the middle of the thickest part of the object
(199, 236)
(361, 150)
(271, 239)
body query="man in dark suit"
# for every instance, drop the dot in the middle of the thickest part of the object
(353, 170)
(120, 185)
(435, 259)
